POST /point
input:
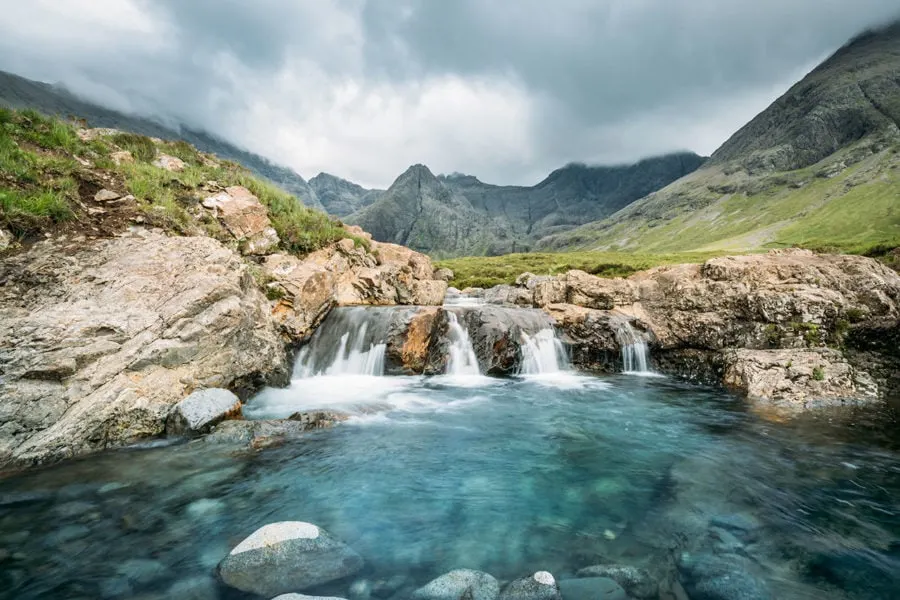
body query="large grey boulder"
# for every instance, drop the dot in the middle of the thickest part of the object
(286, 557)
(202, 410)
(458, 585)
(591, 588)
(540, 586)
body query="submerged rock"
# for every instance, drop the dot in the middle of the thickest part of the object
(202, 410)
(285, 557)
(540, 586)
(591, 588)
(721, 577)
(638, 583)
(303, 597)
(461, 584)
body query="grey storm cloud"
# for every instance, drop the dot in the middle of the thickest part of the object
(508, 89)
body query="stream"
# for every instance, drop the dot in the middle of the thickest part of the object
(547, 470)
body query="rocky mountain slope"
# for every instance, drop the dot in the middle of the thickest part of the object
(820, 166)
(452, 215)
(340, 197)
(19, 92)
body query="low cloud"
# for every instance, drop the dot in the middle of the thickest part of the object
(506, 90)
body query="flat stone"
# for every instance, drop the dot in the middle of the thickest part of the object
(105, 195)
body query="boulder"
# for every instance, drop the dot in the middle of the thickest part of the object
(308, 293)
(260, 433)
(202, 410)
(540, 586)
(428, 292)
(444, 274)
(637, 583)
(592, 588)
(169, 163)
(245, 217)
(461, 584)
(286, 557)
(100, 339)
(509, 295)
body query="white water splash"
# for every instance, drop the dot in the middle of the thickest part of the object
(355, 356)
(463, 361)
(635, 353)
(542, 353)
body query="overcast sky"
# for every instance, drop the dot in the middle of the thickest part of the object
(507, 90)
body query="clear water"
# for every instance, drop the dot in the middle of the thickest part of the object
(552, 473)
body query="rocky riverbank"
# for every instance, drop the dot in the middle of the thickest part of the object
(100, 339)
(791, 329)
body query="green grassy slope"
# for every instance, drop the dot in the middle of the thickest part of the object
(826, 205)
(49, 175)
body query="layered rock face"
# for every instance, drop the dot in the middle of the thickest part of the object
(99, 340)
(791, 327)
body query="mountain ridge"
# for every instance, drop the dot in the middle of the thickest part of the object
(819, 167)
(504, 219)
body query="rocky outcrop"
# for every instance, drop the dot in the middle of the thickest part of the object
(788, 327)
(244, 216)
(345, 274)
(98, 340)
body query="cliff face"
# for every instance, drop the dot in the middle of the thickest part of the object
(340, 197)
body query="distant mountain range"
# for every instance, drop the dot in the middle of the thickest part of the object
(819, 167)
(446, 216)
(452, 215)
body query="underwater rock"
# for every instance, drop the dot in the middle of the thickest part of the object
(637, 582)
(460, 584)
(591, 588)
(540, 586)
(721, 577)
(285, 557)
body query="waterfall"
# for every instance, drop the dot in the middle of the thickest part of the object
(542, 353)
(463, 360)
(351, 341)
(635, 353)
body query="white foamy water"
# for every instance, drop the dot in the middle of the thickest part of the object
(635, 352)
(542, 353)
(463, 361)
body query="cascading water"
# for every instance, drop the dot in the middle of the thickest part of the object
(462, 360)
(635, 353)
(350, 342)
(542, 353)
